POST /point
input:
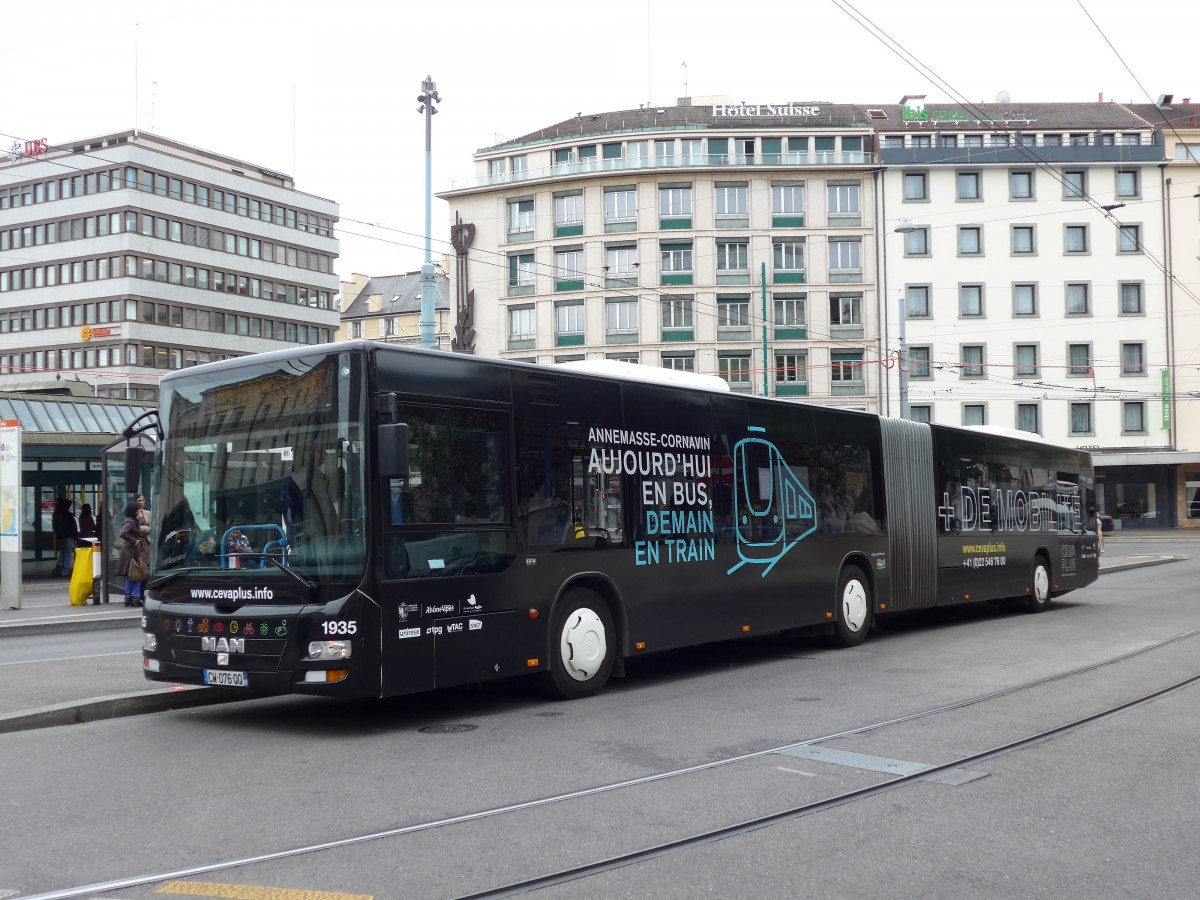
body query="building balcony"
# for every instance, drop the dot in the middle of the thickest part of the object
(594, 166)
(1026, 154)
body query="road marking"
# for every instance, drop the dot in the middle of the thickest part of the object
(798, 772)
(23, 662)
(250, 892)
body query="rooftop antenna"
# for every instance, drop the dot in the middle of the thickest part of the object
(685, 83)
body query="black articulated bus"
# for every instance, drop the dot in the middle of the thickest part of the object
(364, 519)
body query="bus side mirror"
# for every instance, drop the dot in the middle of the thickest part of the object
(134, 458)
(393, 451)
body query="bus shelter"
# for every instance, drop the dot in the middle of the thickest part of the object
(63, 432)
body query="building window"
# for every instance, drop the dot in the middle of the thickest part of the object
(1078, 303)
(733, 256)
(970, 300)
(974, 414)
(1077, 239)
(1081, 418)
(620, 262)
(1133, 359)
(968, 186)
(1027, 417)
(675, 202)
(1131, 298)
(1133, 417)
(791, 369)
(676, 258)
(845, 309)
(520, 272)
(679, 362)
(1187, 152)
(916, 301)
(735, 369)
(916, 186)
(520, 217)
(1024, 299)
(1025, 360)
(1020, 185)
(356, 329)
(970, 240)
(733, 312)
(918, 362)
(568, 210)
(971, 361)
(790, 311)
(1075, 184)
(620, 205)
(731, 200)
(1129, 239)
(923, 412)
(621, 316)
(569, 319)
(845, 257)
(916, 242)
(788, 254)
(1079, 360)
(676, 314)
(522, 323)
(844, 203)
(1127, 183)
(846, 367)
(1022, 239)
(568, 270)
(787, 199)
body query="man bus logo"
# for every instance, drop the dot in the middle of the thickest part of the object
(764, 531)
(223, 645)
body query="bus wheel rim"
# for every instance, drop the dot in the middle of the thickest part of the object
(583, 645)
(854, 606)
(1041, 584)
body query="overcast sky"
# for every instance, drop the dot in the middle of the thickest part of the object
(327, 91)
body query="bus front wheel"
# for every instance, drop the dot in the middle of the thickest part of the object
(582, 646)
(853, 617)
(1039, 586)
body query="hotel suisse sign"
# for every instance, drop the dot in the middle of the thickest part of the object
(766, 110)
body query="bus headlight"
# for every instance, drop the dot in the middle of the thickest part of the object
(149, 642)
(319, 650)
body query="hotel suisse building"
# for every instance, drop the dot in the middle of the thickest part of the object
(126, 255)
(760, 242)
(660, 235)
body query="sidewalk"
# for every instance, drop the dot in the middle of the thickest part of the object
(61, 692)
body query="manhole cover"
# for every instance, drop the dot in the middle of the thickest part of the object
(547, 715)
(807, 699)
(446, 729)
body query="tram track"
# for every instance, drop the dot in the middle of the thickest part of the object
(744, 827)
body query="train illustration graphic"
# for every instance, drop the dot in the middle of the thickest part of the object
(773, 511)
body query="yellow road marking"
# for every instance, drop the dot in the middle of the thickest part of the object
(250, 892)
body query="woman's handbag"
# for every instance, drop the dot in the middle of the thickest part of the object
(138, 570)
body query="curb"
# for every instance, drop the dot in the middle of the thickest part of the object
(119, 706)
(22, 629)
(1141, 564)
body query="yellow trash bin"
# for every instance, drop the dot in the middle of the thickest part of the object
(81, 576)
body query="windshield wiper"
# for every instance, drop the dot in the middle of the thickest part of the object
(166, 578)
(278, 563)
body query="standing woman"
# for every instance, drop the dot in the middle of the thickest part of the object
(143, 520)
(66, 530)
(135, 552)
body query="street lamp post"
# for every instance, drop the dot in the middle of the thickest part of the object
(904, 227)
(427, 98)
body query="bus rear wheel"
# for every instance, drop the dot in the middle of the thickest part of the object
(1039, 586)
(853, 617)
(582, 646)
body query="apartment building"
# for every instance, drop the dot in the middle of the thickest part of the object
(127, 255)
(728, 239)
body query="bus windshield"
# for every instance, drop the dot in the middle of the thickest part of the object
(262, 468)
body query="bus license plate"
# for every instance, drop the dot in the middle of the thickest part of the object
(222, 678)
